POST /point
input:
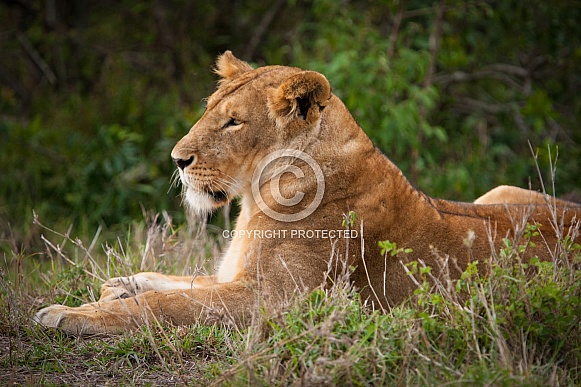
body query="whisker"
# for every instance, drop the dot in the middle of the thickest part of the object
(175, 178)
(231, 183)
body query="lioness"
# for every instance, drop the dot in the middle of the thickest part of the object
(315, 194)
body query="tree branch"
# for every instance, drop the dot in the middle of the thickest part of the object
(36, 57)
(395, 29)
(488, 72)
(429, 10)
(261, 29)
(435, 43)
(475, 104)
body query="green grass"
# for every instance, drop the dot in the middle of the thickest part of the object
(518, 326)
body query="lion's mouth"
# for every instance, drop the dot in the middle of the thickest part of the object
(205, 195)
(218, 196)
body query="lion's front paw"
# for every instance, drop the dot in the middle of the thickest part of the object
(51, 316)
(71, 320)
(85, 319)
(115, 288)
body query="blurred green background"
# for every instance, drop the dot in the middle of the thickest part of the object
(94, 94)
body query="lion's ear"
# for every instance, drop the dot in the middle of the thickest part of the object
(229, 67)
(303, 95)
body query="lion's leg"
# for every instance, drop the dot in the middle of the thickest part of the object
(507, 194)
(125, 287)
(206, 305)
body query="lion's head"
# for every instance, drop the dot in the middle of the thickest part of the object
(252, 113)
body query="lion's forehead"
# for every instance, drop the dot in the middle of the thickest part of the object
(261, 78)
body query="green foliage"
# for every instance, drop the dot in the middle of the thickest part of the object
(383, 92)
(391, 248)
(518, 310)
(349, 219)
(78, 285)
(463, 108)
(328, 338)
(542, 308)
(151, 344)
(105, 177)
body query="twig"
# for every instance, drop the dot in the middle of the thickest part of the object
(484, 106)
(395, 30)
(36, 58)
(426, 11)
(435, 43)
(488, 72)
(261, 29)
(367, 273)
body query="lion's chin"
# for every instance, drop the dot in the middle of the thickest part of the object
(205, 202)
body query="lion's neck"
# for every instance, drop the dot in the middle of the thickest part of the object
(399, 198)
(361, 173)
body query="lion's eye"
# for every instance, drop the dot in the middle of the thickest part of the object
(233, 122)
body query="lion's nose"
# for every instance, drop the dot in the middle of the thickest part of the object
(181, 163)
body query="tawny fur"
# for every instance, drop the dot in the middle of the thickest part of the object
(253, 113)
(514, 195)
